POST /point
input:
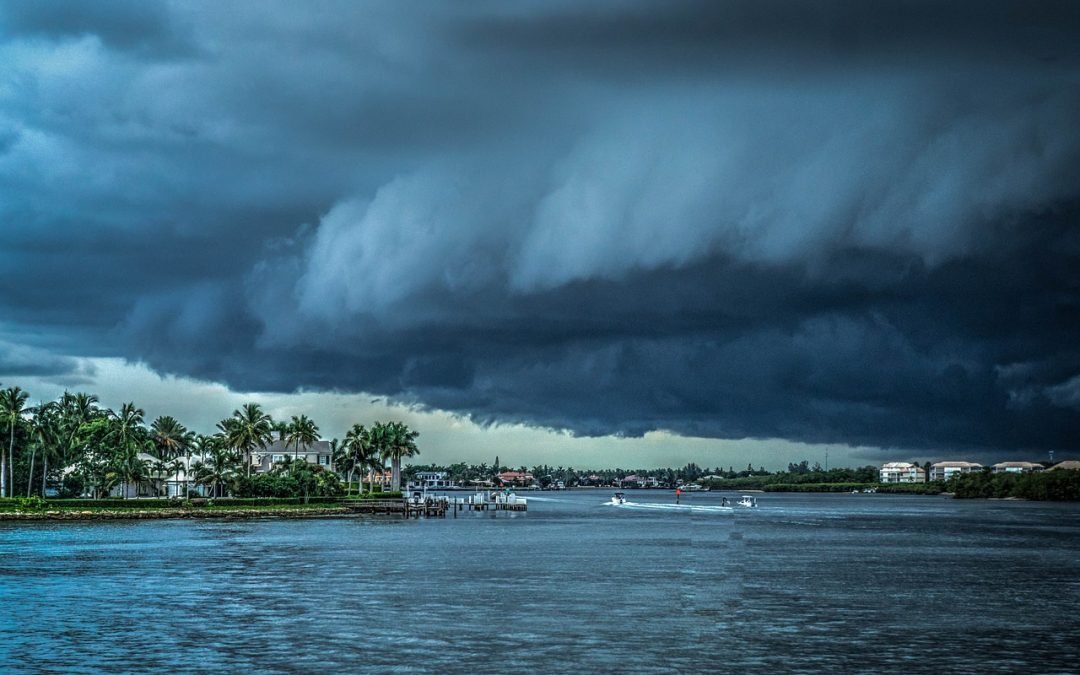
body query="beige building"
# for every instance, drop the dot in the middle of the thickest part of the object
(1017, 467)
(1070, 464)
(951, 469)
(901, 472)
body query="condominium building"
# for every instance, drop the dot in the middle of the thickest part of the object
(902, 472)
(947, 470)
(1017, 467)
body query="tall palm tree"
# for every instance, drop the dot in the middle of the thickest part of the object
(343, 463)
(247, 429)
(397, 441)
(301, 431)
(46, 435)
(364, 454)
(170, 438)
(202, 445)
(129, 437)
(12, 407)
(215, 469)
(78, 409)
(162, 469)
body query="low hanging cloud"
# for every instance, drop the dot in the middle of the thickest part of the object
(852, 225)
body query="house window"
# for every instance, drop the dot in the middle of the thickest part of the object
(324, 460)
(277, 458)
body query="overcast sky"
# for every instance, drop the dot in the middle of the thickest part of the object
(635, 233)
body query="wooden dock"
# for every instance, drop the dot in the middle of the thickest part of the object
(436, 507)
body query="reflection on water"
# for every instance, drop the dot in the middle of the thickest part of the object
(804, 582)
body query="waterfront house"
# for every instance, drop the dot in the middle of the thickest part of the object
(431, 480)
(950, 469)
(319, 453)
(1017, 467)
(901, 472)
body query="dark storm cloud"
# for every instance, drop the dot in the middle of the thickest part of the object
(123, 24)
(21, 361)
(844, 223)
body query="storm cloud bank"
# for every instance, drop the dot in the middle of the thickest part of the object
(854, 223)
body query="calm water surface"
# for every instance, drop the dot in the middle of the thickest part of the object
(803, 583)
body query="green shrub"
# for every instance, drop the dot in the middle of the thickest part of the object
(22, 503)
(112, 503)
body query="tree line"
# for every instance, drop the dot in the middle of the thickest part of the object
(83, 448)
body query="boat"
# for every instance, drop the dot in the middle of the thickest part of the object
(618, 498)
(748, 501)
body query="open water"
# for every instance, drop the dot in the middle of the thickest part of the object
(806, 583)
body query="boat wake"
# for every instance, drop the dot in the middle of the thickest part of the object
(696, 508)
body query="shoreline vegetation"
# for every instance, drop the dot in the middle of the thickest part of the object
(35, 508)
(74, 448)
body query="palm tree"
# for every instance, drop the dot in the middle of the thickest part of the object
(12, 407)
(170, 438)
(247, 429)
(129, 437)
(201, 444)
(301, 430)
(396, 441)
(216, 469)
(363, 453)
(343, 463)
(77, 409)
(162, 469)
(46, 434)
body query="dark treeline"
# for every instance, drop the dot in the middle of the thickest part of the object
(1047, 485)
(74, 447)
(545, 475)
(750, 477)
(1057, 485)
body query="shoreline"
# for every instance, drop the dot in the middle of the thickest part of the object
(172, 514)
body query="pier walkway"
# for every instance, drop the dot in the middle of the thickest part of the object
(438, 506)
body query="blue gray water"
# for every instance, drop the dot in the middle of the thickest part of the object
(803, 583)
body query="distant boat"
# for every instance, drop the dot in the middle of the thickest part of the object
(693, 487)
(617, 499)
(747, 501)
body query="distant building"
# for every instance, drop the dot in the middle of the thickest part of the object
(901, 472)
(1071, 465)
(431, 480)
(1017, 467)
(947, 470)
(516, 477)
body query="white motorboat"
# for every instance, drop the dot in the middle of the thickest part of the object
(747, 501)
(618, 498)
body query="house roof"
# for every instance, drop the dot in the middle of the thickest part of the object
(1071, 464)
(1018, 465)
(280, 447)
(903, 466)
(512, 475)
(956, 465)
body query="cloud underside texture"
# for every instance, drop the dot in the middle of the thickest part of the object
(855, 225)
